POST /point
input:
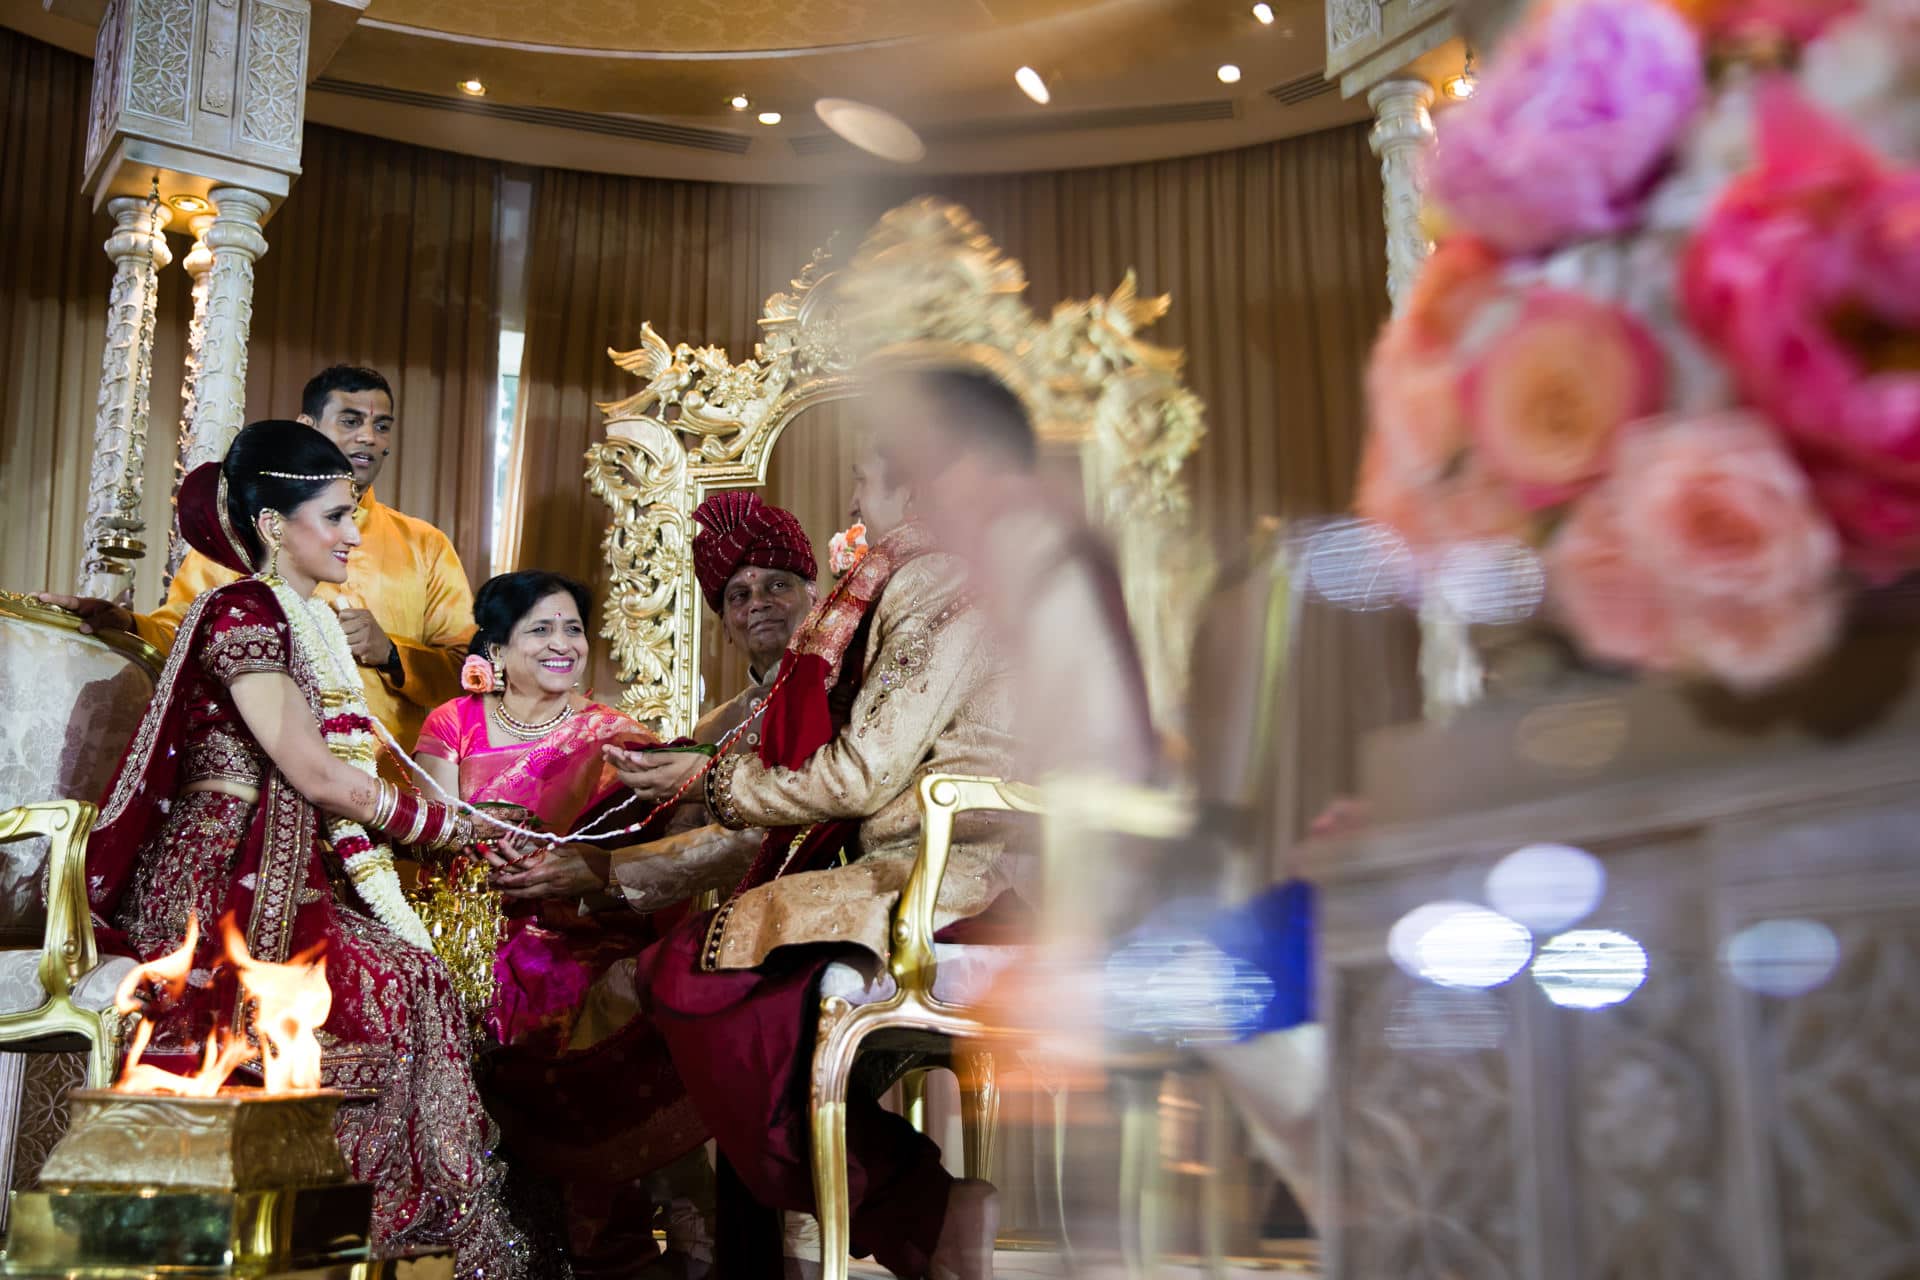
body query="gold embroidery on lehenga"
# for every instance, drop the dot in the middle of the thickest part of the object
(235, 651)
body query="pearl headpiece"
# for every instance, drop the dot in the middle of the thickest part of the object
(290, 475)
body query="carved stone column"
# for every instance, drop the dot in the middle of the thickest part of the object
(1402, 130)
(138, 247)
(1450, 671)
(235, 243)
(198, 262)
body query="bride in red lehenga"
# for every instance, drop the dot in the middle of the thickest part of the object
(249, 792)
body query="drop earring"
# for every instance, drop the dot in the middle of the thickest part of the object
(271, 574)
(499, 676)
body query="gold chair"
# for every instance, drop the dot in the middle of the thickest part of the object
(911, 1008)
(68, 704)
(76, 990)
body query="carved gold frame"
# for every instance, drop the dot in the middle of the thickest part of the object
(926, 287)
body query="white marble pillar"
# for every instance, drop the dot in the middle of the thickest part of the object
(138, 247)
(1402, 131)
(1451, 676)
(235, 243)
(198, 262)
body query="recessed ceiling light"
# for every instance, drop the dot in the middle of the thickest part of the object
(1263, 13)
(473, 88)
(189, 204)
(739, 102)
(871, 129)
(769, 117)
(1032, 85)
(1229, 74)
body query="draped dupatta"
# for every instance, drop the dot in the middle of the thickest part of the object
(820, 674)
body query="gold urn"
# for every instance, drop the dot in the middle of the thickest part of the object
(239, 1183)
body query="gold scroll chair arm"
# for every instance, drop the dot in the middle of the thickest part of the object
(68, 954)
(910, 1017)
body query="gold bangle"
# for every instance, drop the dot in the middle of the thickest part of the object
(367, 866)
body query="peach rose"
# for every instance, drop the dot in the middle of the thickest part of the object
(1718, 509)
(1464, 504)
(1460, 275)
(476, 674)
(1551, 393)
(1751, 644)
(1414, 405)
(1615, 608)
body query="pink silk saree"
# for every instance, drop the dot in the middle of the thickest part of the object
(550, 953)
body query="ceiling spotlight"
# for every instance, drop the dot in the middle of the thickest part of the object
(1263, 14)
(1461, 87)
(1229, 74)
(769, 117)
(473, 88)
(189, 204)
(739, 102)
(1032, 85)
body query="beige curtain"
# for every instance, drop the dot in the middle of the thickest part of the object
(383, 254)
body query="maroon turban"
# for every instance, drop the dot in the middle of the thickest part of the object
(736, 528)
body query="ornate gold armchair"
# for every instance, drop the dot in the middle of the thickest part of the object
(914, 1007)
(74, 990)
(68, 704)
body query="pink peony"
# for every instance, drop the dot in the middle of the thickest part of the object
(1571, 125)
(1881, 239)
(1606, 597)
(1549, 395)
(1716, 507)
(1804, 278)
(1879, 521)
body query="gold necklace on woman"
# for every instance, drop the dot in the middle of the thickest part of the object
(529, 732)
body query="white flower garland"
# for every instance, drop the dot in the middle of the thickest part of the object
(316, 631)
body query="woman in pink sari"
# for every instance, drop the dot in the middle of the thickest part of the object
(525, 743)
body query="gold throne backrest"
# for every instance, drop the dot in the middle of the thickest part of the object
(69, 703)
(926, 287)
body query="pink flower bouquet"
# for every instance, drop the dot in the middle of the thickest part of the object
(1679, 363)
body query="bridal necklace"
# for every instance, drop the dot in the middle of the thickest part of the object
(520, 729)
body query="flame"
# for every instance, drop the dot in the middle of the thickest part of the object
(167, 977)
(168, 973)
(290, 1001)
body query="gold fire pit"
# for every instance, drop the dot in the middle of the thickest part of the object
(238, 1184)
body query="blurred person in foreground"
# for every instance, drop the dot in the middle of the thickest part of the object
(405, 603)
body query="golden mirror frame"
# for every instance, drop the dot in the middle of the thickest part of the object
(926, 287)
